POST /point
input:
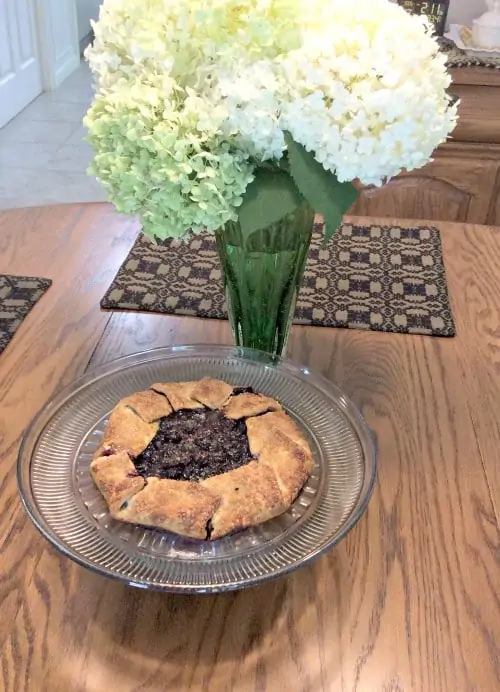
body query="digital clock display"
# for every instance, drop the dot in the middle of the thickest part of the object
(436, 11)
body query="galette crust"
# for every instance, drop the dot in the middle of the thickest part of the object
(246, 404)
(291, 464)
(127, 432)
(212, 393)
(117, 479)
(214, 507)
(249, 495)
(149, 405)
(179, 394)
(259, 428)
(179, 506)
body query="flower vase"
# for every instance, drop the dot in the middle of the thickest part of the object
(262, 272)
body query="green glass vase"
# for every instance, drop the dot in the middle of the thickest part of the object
(262, 273)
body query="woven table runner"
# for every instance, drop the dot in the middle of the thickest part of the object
(18, 294)
(383, 278)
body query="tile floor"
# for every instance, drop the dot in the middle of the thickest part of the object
(43, 156)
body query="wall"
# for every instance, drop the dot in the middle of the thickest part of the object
(87, 10)
(461, 12)
(464, 11)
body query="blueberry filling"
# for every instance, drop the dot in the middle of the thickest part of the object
(243, 390)
(193, 445)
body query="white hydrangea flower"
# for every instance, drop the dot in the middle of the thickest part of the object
(367, 93)
(252, 107)
(193, 95)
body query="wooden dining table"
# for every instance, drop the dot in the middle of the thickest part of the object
(409, 600)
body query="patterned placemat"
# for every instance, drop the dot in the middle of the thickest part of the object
(456, 57)
(18, 294)
(384, 278)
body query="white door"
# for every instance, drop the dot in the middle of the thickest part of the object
(20, 77)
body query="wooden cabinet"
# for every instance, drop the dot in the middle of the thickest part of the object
(451, 188)
(463, 182)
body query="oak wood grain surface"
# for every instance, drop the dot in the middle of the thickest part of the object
(409, 601)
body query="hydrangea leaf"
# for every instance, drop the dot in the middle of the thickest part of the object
(326, 195)
(268, 198)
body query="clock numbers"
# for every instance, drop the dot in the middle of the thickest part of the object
(436, 12)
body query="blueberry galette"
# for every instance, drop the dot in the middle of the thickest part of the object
(202, 459)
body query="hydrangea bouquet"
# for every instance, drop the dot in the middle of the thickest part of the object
(245, 117)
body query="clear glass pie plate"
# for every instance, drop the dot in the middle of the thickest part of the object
(65, 505)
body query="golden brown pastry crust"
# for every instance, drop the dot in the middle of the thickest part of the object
(222, 504)
(179, 394)
(117, 479)
(245, 405)
(260, 427)
(291, 464)
(149, 405)
(127, 432)
(212, 393)
(249, 495)
(179, 506)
